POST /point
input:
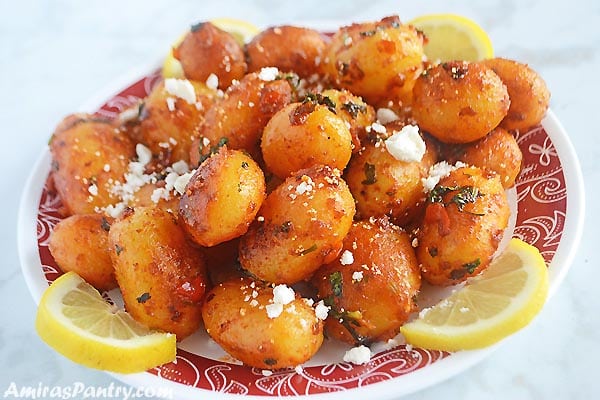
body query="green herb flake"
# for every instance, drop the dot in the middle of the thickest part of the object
(144, 297)
(118, 249)
(309, 250)
(318, 98)
(470, 267)
(104, 224)
(245, 165)
(370, 176)
(335, 279)
(464, 196)
(353, 108)
(213, 149)
(270, 361)
(433, 251)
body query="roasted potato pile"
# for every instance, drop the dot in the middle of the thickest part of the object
(303, 184)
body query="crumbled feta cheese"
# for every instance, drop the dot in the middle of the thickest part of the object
(282, 294)
(347, 258)
(181, 88)
(158, 194)
(181, 182)
(181, 167)
(268, 74)
(321, 310)
(274, 310)
(143, 153)
(93, 189)
(303, 187)
(129, 114)
(106, 168)
(406, 145)
(348, 41)
(357, 276)
(212, 82)
(377, 127)
(385, 115)
(171, 103)
(358, 355)
(437, 172)
(114, 210)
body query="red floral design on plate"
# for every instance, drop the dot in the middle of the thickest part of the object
(542, 201)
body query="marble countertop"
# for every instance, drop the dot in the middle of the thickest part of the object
(56, 54)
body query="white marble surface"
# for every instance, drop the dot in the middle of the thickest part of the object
(55, 54)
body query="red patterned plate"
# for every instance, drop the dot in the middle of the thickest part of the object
(548, 198)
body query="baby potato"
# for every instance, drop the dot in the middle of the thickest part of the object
(353, 110)
(160, 273)
(241, 316)
(300, 227)
(529, 95)
(241, 115)
(371, 288)
(288, 48)
(465, 218)
(79, 243)
(497, 153)
(459, 102)
(168, 124)
(383, 185)
(310, 131)
(207, 50)
(376, 60)
(222, 197)
(87, 155)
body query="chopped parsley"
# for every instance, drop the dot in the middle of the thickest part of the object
(465, 195)
(370, 177)
(144, 297)
(353, 108)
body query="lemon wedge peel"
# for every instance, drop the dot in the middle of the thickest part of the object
(490, 307)
(77, 322)
(242, 31)
(453, 37)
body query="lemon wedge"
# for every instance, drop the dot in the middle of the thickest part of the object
(242, 31)
(453, 37)
(76, 321)
(490, 307)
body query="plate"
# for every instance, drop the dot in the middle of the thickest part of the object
(548, 196)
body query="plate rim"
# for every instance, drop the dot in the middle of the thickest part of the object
(417, 380)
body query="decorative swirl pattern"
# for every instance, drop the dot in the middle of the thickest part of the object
(541, 198)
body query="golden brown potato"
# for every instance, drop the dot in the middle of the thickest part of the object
(241, 316)
(459, 102)
(464, 221)
(168, 124)
(241, 115)
(383, 185)
(222, 197)
(160, 273)
(288, 48)
(371, 288)
(79, 243)
(309, 131)
(87, 155)
(376, 60)
(300, 227)
(207, 50)
(529, 95)
(353, 110)
(497, 153)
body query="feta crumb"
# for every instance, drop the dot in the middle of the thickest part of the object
(212, 82)
(282, 294)
(377, 127)
(129, 114)
(93, 189)
(143, 153)
(181, 167)
(106, 168)
(253, 303)
(181, 88)
(268, 74)
(267, 372)
(170, 103)
(181, 182)
(303, 187)
(406, 145)
(321, 310)
(385, 115)
(115, 210)
(348, 41)
(274, 310)
(437, 172)
(347, 258)
(357, 276)
(158, 194)
(358, 355)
